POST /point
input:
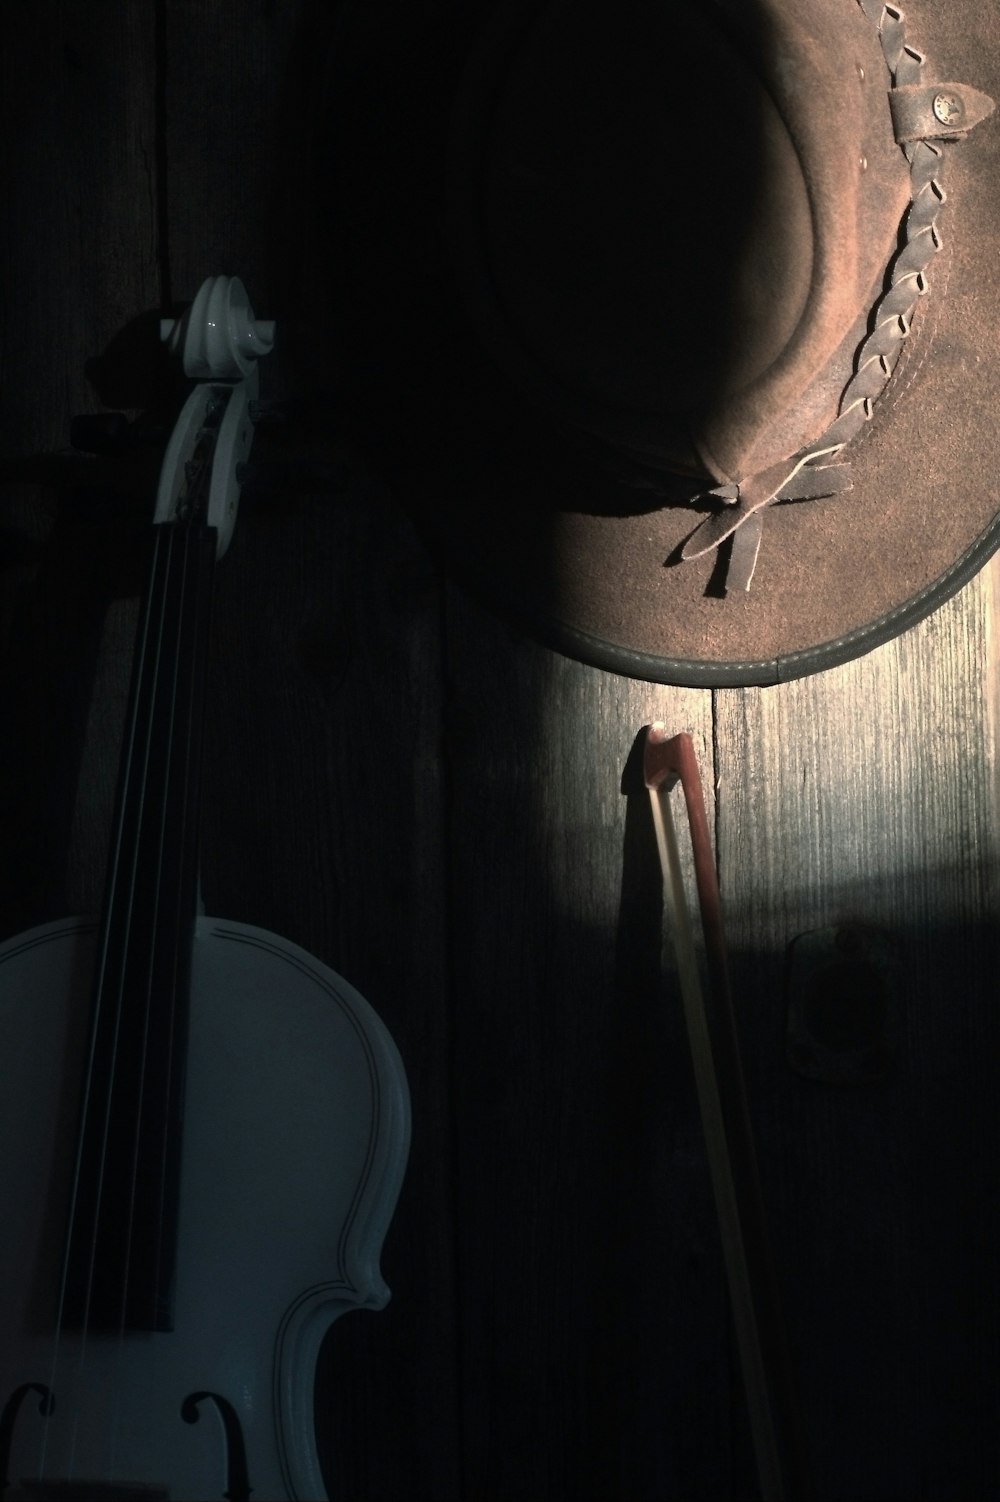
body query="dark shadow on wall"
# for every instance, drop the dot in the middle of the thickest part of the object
(876, 1166)
(593, 1354)
(884, 1225)
(534, 234)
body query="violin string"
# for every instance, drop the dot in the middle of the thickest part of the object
(114, 857)
(179, 539)
(152, 624)
(193, 578)
(164, 553)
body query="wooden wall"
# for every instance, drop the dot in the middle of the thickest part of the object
(433, 805)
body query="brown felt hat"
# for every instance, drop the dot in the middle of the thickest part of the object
(675, 324)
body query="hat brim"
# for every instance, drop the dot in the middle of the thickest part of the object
(539, 529)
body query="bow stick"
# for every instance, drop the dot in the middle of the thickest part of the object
(711, 1028)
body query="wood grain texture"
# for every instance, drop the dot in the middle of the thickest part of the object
(77, 262)
(990, 585)
(244, 106)
(866, 795)
(326, 825)
(79, 177)
(594, 1319)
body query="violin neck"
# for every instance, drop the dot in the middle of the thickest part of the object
(120, 1247)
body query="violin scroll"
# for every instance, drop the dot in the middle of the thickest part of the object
(218, 338)
(219, 342)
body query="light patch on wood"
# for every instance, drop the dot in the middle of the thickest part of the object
(866, 792)
(991, 610)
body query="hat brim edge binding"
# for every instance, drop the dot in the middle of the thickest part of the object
(609, 657)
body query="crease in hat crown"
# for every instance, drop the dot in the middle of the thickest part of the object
(867, 125)
(925, 114)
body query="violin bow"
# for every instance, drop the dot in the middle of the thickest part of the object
(765, 1359)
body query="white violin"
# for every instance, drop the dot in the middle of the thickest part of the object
(203, 1129)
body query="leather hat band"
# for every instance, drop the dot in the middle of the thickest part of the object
(924, 114)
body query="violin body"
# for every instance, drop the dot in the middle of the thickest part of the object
(295, 1137)
(203, 1129)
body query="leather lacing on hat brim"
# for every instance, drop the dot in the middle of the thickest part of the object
(809, 474)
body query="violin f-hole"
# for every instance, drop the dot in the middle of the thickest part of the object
(238, 1486)
(9, 1418)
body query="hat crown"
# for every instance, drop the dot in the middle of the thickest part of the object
(683, 215)
(872, 387)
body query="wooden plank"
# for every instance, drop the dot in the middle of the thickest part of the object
(245, 101)
(324, 822)
(990, 585)
(325, 815)
(594, 1316)
(78, 262)
(867, 795)
(79, 252)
